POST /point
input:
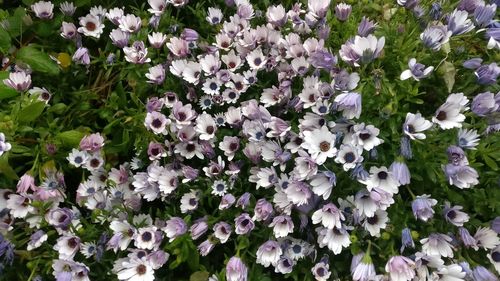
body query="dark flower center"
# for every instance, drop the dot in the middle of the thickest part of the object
(231, 64)
(90, 26)
(72, 243)
(182, 116)
(232, 95)
(62, 218)
(78, 159)
(297, 249)
(192, 202)
(441, 115)
(245, 222)
(372, 220)
(495, 256)
(210, 129)
(146, 236)
(233, 146)
(324, 146)
(364, 136)
(257, 61)
(190, 147)
(411, 129)
(220, 187)
(156, 123)
(94, 162)
(321, 272)
(382, 175)
(349, 157)
(452, 214)
(213, 86)
(141, 269)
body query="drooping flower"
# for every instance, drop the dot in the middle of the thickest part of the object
(416, 70)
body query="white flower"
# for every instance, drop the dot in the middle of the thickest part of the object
(4, 146)
(219, 187)
(256, 59)
(320, 144)
(67, 246)
(282, 226)
(269, 253)
(329, 216)
(449, 116)
(91, 26)
(437, 244)
(43, 9)
(366, 136)
(157, 39)
(417, 71)
(468, 139)
(335, 239)
(376, 222)
(414, 125)
(130, 23)
(19, 81)
(214, 16)
(452, 272)
(157, 7)
(382, 178)
(134, 269)
(78, 158)
(486, 238)
(349, 156)
(156, 74)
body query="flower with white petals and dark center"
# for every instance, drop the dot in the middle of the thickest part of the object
(320, 144)
(91, 26)
(449, 116)
(78, 158)
(156, 122)
(134, 269)
(219, 188)
(349, 156)
(376, 222)
(414, 125)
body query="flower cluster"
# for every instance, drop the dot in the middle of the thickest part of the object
(263, 134)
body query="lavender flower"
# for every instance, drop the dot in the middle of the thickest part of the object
(236, 270)
(484, 104)
(243, 224)
(459, 23)
(401, 172)
(422, 207)
(342, 11)
(362, 50)
(416, 70)
(435, 36)
(366, 27)
(483, 15)
(487, 74)
(82, 56)
(473, 63)
(406, 239)
(19, 81)
(400, 268)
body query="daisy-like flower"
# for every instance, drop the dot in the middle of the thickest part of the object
(134, 269)
(434, 36)
(222, 230)
(349, 104)
(115, 14)
(336, 239)
(67, 246)
(67, 8)
(468, 139)
(88, 249)
(157, 7)
(462, 176)
(454, 216)
(137, 54)
(78, 158)
(174, 228)
(130, 23)
(494, 257)
(321, 271)
(282, 225)
(449, 116)
(320, 144)
(19, 81)
(236, 270)
(366, 136)
(219, 187)
(329, 216)
(206, 126)
(400, 268)
(376, 222)
(214, 16)
(178, 47)
(156, 122)
(156, 74)
(43, 9)
(362, 50)
(243, 224)
(422, 207)
(119, 38)
(211, 86)
(486, 238)
(157, 39)
(230, 146)
(414, 125)
(256, 59)
(269, 253)
(189, 201)
(449, 272)
(437, 244)
(91, 26)
(459, 22)
(41, 93)
(362, 268)
(349, 156)
(37, 239)
(416, 70)
(382, 178)
(4, 146)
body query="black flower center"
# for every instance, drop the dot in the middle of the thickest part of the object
(382, 175)
(349, 157)
(147, 236)
(441, 115)
(364, 136)
(156, 123)
(372, 220)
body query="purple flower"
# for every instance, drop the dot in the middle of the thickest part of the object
(416, 70)
(366, 27)
(349, 104)
(487, 74)
(494, 37)
(461, 176)
(6, 250)
(60, 217)
(137, 54)
(459, 23)
(400, 172)
(342, 11)
(236, 270)
(362, 50)
(480, 273)
(175, 227)
(435, 36)
(400, 268)
(495, 225)
(92, 143)
(244, 200)
(323, 59)
(469, 5)
(405, 148)
(81, 56)
(244, 224)
(198, 228)
(406, 239)
(206, 247)
(456, 156)
(484, 104)
(19, 81)
(473, 63)
(422, 207)
(467, 239)
(483, 15)
(435, 11)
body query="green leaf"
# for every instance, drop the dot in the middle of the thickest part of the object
(31, 112)
(5, 91)
(38, 60)
(490, 162)
(4, 41)
(448, 71)
(70, 138)
(6, 169)
(199, 276)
